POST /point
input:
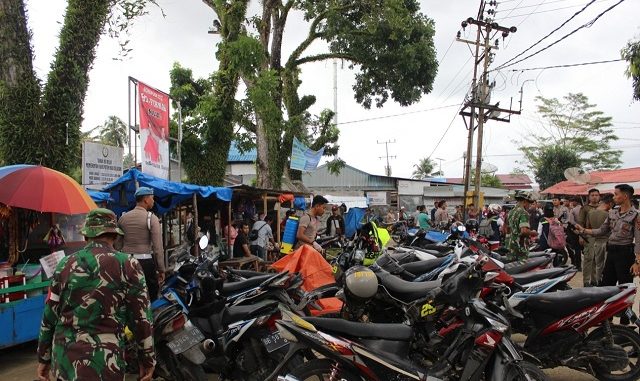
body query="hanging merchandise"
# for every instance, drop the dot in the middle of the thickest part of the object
(5, 211)
(54, 238)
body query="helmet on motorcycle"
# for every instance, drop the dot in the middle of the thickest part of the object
(361, 282)
(471, 225)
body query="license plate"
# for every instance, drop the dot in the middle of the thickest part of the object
(274, 341)
(185, 339)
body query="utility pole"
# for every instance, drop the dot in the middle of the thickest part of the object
(440, 168)
(335, 92)
(479, 98)
(387, 169)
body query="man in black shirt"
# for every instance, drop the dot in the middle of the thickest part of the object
(241, 245)
(335, 223)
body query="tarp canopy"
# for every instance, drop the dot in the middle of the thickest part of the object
(168, 194)
(604, 181)
(100, 196)
(352, 221)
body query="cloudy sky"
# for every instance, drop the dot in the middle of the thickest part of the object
(181, 36)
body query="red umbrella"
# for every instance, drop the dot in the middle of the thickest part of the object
(43, 189)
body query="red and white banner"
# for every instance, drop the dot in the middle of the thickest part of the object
(154, 131)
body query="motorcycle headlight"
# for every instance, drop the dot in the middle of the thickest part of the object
(498, 326)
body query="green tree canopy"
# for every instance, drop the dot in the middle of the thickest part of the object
(40, 122)
(423, 169)
(631, 53)
(571, 125)
(388, 42)
(552, 162)
(114, 132)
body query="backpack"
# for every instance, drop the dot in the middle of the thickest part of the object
(253, 234)
(557, 237)
(485, 228)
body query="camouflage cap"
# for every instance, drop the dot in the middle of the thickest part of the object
(524, 195)
(100, 221)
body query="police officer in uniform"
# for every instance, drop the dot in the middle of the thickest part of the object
(622, 228)
(143, 239)
(94, 294)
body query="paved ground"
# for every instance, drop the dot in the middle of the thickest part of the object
(19, 363)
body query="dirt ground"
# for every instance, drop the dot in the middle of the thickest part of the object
(19, 363)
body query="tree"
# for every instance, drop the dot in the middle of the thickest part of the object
(550, 165)
(114, 132)
(388, 41)
(631, 53)
(40, 123)
(572, 125)
(487, 180)
(423, 169)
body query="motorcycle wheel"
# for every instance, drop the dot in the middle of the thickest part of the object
(320, 370)
(191, 371)
(179, 368)
(517, 370)
(630, 341)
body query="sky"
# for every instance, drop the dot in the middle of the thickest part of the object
(429, 127)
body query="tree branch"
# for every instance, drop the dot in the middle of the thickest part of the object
(325, 56)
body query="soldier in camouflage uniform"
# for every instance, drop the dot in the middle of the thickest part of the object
(94, 294)
(518, 228)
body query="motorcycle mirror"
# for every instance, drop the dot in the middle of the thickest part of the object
(204, 242)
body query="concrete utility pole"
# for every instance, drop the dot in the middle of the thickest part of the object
(387, 169)
(479, 98)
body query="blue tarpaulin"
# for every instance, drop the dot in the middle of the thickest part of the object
(168, 194)
(352, 221)
(99, 196)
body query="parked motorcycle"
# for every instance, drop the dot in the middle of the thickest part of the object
(481, 350)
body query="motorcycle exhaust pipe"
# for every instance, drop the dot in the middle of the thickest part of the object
(208, 345)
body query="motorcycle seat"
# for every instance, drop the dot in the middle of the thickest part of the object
(524, 266)
(397, 332)
(403, 290)
(243, 312)
(421, 267)
(536, 254)
(437, 248)
(534, 276)
(563, 303)
(245, 273)
(243, 285)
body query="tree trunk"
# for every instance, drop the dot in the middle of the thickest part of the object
(262, 162)
(21, 133)
(66, 87)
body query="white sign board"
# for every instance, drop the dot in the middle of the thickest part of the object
(101, 164)
(377, 198)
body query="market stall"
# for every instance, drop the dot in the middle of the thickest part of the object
(182, 208)
(40, 213)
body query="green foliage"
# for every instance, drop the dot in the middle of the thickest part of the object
(552, 162)
(487, 180)
(423, 169)
(42, 126)
(114, 132)
(631, 53)
(574, 125)
(389, 41)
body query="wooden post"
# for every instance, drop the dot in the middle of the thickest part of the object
(264, 203)
(279, 216)
(229, 253)
(196, 228)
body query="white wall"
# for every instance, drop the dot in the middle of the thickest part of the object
(241, 169)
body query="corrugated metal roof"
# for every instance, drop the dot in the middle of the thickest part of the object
(235, 156)
(349, 177)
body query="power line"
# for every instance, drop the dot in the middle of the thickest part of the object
(545, 37)
(569, 65)
(529, 6)
(589, 24)
(447, 51)
(544, 11)
(447, 130)
(395, 115)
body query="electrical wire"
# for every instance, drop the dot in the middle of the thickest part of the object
(531, 6)
(447, 130)
(589, 24)
(544, 11)
(534, 11)
(395, 115)
(569, 65)
(447, 51)
(547, 36)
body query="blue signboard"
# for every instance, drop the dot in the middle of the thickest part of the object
(303, 158)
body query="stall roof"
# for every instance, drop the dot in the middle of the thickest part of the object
(168, 194)
(100, 196)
